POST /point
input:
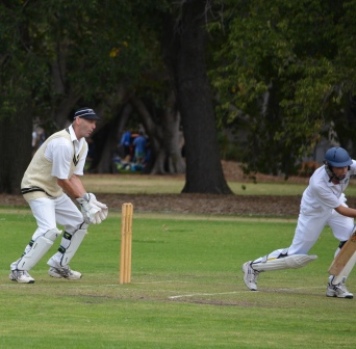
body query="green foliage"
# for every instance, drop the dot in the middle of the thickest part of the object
(19, 65)
(281, 75)
(84, 48)
(281, 72)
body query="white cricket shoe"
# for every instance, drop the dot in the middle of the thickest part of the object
(339, 290)
(250, 276)
(21, 276)
(64, 272)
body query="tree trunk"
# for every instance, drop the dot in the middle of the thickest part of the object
(106, 141)
(15, 150)
(172, 137)
(204, 170)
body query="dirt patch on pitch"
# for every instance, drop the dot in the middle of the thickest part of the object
(240, 205)
(274, 206)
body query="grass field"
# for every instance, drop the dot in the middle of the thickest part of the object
(186, 290)
(147, 184)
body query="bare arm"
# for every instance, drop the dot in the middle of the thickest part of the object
(74, 187)
(346, 211)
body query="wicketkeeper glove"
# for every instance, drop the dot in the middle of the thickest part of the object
(93, 210)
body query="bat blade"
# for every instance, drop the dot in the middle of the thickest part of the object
(346, 271)
(343, 256)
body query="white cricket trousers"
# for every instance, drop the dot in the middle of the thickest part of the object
(49, 212)
(310, 226)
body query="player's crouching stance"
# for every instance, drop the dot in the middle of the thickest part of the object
(50, 181)
(323, 203)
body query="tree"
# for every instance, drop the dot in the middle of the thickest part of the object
(113, 45)
(20, 73)
(164, 135)
(281, 74)
(204, 171)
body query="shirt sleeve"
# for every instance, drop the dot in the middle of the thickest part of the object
(60, 151)
(326, 197)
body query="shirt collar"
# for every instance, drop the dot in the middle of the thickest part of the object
(73, 137)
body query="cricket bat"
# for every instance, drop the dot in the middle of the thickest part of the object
(343, 256)
(346, 271)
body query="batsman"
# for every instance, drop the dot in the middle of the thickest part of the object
(323, 203)
(55, 193)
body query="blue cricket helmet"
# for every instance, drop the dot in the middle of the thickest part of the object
(337, 157)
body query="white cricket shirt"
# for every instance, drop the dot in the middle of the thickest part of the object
(323, 195)
(60, 153)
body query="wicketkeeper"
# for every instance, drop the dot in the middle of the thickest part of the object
(50, 182)
(323, 203)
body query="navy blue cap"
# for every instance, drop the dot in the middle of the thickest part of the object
(86, 113)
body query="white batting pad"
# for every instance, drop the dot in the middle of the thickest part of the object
(39, 248)
(289, 262)
(76, 240)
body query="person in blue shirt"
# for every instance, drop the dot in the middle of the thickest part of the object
(140, 143)
(125, 142)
